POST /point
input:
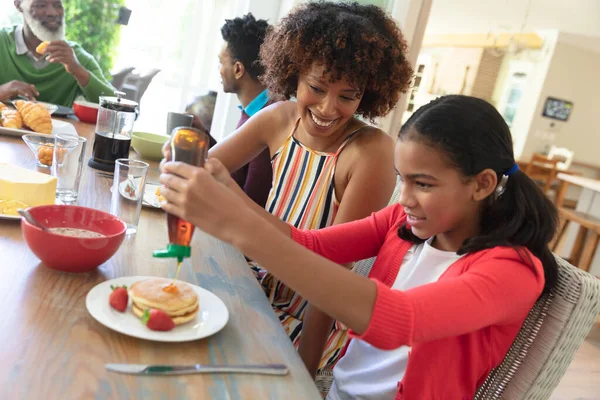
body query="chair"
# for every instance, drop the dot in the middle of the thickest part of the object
(563, 154)
(363, 267)
(585, 245)
(203, 108)
(548, 340)
(118, 78)
(542, 170)
(136, 82)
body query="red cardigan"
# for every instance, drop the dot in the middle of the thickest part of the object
(459, 327)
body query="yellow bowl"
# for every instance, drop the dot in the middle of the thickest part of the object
(148, 145)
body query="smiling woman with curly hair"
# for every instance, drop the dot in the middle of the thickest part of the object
(332, 63)
(360, 44)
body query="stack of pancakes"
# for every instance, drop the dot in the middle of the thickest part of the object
(181, 306)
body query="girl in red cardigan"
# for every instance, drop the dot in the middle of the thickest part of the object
(460, 260)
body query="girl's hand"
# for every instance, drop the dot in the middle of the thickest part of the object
(166, 153)
(219, 172)
(203, 197)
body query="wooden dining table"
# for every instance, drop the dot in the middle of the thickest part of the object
(588, 203)
(52, 348)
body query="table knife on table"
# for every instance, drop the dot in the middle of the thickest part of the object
(147, 369)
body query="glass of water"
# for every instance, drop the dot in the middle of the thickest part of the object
(128, 191)
(67, 166)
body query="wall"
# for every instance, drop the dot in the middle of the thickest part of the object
(573, 76)
(444, 73)
(447, 67)
(412, 17)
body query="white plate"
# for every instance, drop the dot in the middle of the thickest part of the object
(150, 199)
(50, 107)
(58, 127)
(211, 317)
(15, 217)
(10, 217)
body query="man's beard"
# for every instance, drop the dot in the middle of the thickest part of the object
(40, 31)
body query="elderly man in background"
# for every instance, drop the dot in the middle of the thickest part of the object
(64, 70)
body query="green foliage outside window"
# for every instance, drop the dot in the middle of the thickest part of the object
(92, 24)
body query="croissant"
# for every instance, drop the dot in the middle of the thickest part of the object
(2, 106)
(11, 119)
(35, 116)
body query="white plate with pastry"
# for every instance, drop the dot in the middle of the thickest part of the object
(150, 196)
(196, 312)
(29, 117)
(58, 128)
(8, 209)
(12, 206)
(57, 110)
(150, 199)
(50, 107)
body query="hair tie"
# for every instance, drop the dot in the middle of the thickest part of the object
(502, 184)
(512, 170)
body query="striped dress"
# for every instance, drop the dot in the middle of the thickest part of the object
(302, 195)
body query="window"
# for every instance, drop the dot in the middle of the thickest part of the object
(182, 41)
(9, 15)
(515, 90)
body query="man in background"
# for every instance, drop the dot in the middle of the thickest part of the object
(240, 69)
(64, 70)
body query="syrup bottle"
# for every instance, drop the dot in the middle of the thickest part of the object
(190, 146)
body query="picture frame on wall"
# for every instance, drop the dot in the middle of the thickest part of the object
(557, 109)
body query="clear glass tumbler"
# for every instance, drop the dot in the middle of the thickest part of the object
(128, 191)
(67, 166)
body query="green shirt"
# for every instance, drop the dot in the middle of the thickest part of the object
(54, 83)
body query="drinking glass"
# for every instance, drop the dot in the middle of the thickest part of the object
(67, 166)
(128, 191)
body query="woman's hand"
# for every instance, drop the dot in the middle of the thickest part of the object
(203, 196)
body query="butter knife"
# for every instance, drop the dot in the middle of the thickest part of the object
(145, 369)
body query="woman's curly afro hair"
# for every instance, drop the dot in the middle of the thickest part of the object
(360, 43)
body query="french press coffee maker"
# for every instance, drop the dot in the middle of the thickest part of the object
(116, 116)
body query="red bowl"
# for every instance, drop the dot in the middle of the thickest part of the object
(86, 111)
(73, 254)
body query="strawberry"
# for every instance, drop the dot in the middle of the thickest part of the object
(118, 298)
(157, 320)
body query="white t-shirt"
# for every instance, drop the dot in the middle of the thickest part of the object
(368, 373)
